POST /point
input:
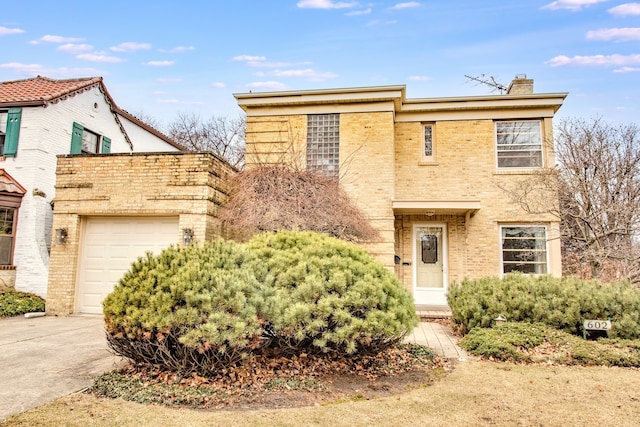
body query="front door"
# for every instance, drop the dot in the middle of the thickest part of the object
(430, 264)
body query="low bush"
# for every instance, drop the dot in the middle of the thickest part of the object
(15, 303)
(327, 295)
(526, 342)
(188, 309)
(560, 303)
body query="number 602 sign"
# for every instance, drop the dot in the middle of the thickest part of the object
(597, 325)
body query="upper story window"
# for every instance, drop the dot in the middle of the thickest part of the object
(428, 146)
(524, 249)
(3, 129)
(519, 144)
(9, 131)
(86, 141)
(323, 143)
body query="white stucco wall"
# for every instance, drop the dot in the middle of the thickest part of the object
(143, 141)
(45, 132)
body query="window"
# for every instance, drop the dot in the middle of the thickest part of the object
(519, 144)
(428, 146)
(86, 141)
(524, 249)
(323, 143)
(7, 216)
(9, 131)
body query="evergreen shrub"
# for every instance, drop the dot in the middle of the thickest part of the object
(14, 303)
(562, 303)
(328, 296)
(187, 309)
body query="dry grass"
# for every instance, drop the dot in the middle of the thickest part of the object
(476, 393)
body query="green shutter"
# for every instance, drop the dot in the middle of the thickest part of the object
(106, 145)
(13, 132)
(76, 138)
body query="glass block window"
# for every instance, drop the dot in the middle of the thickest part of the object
(323, 143)
(427, 153)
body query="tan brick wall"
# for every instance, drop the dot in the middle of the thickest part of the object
(191, 186)
(464, 170)
(381, 161)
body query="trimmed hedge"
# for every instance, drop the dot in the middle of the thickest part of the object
(206, 307)
(188, 309)
(560, 303)
(327, 295)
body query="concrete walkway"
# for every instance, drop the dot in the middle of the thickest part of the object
(44, 358)
(439, 339)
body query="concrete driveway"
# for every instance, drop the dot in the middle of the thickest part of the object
(44, 358)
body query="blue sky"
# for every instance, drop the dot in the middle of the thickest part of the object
(166, 57)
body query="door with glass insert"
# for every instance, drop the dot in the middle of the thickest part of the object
(430, 264)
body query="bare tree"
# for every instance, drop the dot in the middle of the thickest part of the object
(220, 135)
(597, 185)
(148, 119)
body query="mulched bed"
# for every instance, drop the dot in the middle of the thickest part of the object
(268, 382)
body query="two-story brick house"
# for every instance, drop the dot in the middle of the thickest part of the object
(429, 173)
(41, 118)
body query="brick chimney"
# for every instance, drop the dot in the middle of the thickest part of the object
(521, 85)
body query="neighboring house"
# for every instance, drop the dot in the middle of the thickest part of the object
(429, 173)
(41, 118)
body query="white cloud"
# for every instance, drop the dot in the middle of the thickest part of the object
(420, 78)
(265, 85)
(22, 68)
(325, 4)
(74, 48)
(159, 92)
(98, 57)
(306, 73)
(573, 5)
(406, 5)
(55, 39)
(249, 58)
(359, 12)
(615, 34)
(4, 31)
(130, 47)
(217, 85)
(177, 49)
(169, 79)
(626, 9)
(377, 22)
(35, 69)
(169, 101)
(595, 60)
(627, 70)
(159, 63)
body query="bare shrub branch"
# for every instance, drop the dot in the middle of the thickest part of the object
(280, 197)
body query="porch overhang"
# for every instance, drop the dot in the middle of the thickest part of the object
(433, 207)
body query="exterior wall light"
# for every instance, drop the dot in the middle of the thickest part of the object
(61, 236)
(187, 236)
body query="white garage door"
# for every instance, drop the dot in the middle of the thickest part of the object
(109, 247)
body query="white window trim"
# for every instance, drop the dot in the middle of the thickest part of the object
(546, 241)
(495, 145)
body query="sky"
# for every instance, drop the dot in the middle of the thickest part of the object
(164, 58)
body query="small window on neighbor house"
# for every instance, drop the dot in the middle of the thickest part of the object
(428, 147)
(3, 129)
(323, 143)
(519, 144)
(7, 216)
(86, 141)
(524, 249)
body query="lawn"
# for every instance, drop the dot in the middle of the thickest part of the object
(475, 393)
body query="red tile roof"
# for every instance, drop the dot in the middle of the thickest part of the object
(41, 89)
